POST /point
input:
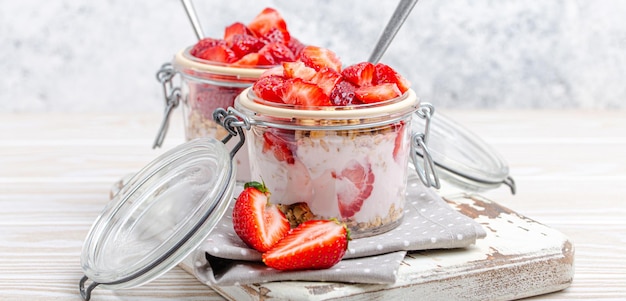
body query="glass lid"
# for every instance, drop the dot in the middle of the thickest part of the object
(163, 214)
(461, 158)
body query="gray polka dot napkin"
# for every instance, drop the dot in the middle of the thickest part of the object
(428, 223)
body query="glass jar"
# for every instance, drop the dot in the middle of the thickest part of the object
(348, 163)
(204, 87)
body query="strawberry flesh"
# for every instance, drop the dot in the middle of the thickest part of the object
(259, 224)
(385, 74)
(318, 58)
(269, 88)
(295, 91)
(314, 244)
(354, 184)
(343, 94)
(268, 20)
(361, 74)
(278, 142)
(378, 93)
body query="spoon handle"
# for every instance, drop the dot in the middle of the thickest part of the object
(395, 22)
(193, 18)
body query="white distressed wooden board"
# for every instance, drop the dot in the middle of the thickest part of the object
(518, 258)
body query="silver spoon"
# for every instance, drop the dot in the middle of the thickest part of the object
(395, 22)
(193, 18)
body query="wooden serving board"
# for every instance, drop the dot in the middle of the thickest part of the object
(518, 258)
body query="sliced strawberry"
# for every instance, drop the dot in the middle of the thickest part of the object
(242, 44)
(277, 53)
(277, 70)
(318, 58)
(398, 147)
(203, 45)
(269, 88)
(386, 74)
(354, 185)
(298, 70)
(218, 53)
(278, 142)
(251, 60)
(236, 28)
(361, 74)
(256, 221)
(343, 93)
(326, 79)
(295, 91)
(314, 244)
(380, 92)
(267, 20)
(275, 35)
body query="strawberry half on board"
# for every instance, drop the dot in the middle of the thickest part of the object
(256, 221)
(314, 244)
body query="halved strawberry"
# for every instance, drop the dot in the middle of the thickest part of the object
(326, 79)
(269, 88)
(298, 70)
(343, 93)
(256, 221)
(354, 184)
(236, 28)
(295, 91)
(218, 53)
(267, 20)
(314, 244)
(380, 92)
(277, 53)
(361, 74)
(318, 58)
(386, 74)
(278, 142)
(203, 45)
(251, 60)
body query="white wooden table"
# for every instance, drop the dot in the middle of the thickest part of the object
(56, 171)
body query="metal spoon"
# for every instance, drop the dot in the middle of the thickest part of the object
(395, 22)
(193, 18)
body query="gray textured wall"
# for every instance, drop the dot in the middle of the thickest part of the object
(65, 55)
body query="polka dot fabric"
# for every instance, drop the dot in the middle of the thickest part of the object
(428, 223)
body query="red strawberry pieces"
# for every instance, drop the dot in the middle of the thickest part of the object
(263, 42)
(314, 244)
(278, 142)
(258, 223)
(317, 79)
(298, 92)
(267, 21)
(318, 58)
(354, 185)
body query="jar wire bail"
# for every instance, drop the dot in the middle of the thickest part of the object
(427, 173)
(234, 122)
(85, 293)
(172, 97)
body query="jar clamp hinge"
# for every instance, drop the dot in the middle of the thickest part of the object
(234, 122)
(427, 173)
(172, 97)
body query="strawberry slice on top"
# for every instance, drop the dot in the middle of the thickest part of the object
(378, 93)
(258, 223)
(386, 74)
(267, 20)
(318, 58)
(314, 244)
(354, 185)
(361, 74)
(296, 91)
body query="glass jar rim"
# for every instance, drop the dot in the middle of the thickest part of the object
(405, 104)
(184, 60)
